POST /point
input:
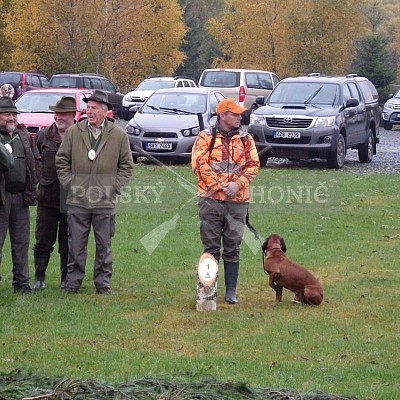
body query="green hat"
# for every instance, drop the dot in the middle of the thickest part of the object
(7, 105)
(64, 105)
(100, 97)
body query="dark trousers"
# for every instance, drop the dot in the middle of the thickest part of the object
(14, 218)
(80, 221)
(222, 221)
(50, 225)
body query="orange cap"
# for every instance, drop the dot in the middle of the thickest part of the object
(231, 105)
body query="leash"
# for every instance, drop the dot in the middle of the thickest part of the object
(256, 235)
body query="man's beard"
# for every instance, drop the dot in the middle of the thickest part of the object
(61, 125)
(10, 127)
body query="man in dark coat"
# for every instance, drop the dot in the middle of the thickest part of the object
(17, 191)
(51, 217)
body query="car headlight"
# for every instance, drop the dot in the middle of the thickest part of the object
(190, 132)
(388, 105)
(325, 121)
(256, 119)
(131, 130)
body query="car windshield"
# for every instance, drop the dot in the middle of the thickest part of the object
(176, 103)
(155, 85)
(305, 93)
(34, 102)
(397, 94)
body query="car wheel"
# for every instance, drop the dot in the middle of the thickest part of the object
(366, 150)
(336, 158)
(387, 126)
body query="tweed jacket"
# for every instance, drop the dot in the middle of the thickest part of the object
(94, 183)
(233, 159)
(33, 168)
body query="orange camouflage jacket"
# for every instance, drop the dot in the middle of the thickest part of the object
(236, 160)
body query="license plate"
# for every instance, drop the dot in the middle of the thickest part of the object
(286, 135)
(158, 146)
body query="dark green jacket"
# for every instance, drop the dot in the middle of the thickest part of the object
(6, 159)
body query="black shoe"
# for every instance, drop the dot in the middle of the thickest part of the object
(23, 289)
(39, 284)
(104, 290)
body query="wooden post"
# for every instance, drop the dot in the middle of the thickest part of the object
(207, 272)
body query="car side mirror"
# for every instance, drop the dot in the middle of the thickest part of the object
(260, 100)
(351, 103)
(134, 109)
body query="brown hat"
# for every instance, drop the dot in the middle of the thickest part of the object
(64, 105)
(100, 97)
(231, 105)
(7, 105)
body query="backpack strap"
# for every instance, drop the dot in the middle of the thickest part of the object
(214, 136)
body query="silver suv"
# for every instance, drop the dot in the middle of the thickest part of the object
(318, 116)
(244, 85)
(137, 97)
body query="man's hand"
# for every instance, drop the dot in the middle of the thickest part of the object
(230, 189)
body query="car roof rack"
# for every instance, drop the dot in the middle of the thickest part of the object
(351, 76)
(314, 74)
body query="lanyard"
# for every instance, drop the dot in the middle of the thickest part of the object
(14, 137)
(94, 143)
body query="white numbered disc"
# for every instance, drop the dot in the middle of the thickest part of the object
(91, 154)
(207, 269)
(8, 147)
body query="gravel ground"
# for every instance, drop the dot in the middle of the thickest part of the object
(386, 160)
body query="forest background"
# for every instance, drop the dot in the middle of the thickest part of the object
(128, 40)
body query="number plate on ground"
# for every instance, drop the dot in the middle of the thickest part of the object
(286, 135)
(158, 146)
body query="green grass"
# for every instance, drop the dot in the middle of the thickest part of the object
(343, 227)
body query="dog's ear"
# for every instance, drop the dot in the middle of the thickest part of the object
(265, 244)
(283, 245)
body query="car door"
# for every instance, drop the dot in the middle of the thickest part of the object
(349, 116)
(361, 113)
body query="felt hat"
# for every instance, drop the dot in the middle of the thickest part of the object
(7, 105)
(230, 104)
(64, 105)
(100, 97)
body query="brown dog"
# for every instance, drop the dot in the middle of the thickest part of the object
(284, 273)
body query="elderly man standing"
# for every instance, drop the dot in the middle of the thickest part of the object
(225, 163)
(93, 163)
(51, 217)
(17, 192)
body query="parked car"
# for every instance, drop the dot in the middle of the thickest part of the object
(16, 83)
(138, 96)
(166, 126)
(90, 81)
(318, 116)
(245, 85)
(34, 106)
(391, 111)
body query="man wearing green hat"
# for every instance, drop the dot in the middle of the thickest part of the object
(51, 218)
(17, 191)
(94, 163)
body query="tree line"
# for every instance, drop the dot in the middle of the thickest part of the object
(127, 40)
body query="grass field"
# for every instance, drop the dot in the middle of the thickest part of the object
(342, 226)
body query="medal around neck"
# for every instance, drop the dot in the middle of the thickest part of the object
(8, 147)
(91, 154)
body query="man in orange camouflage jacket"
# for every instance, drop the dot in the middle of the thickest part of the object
(225, 166)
